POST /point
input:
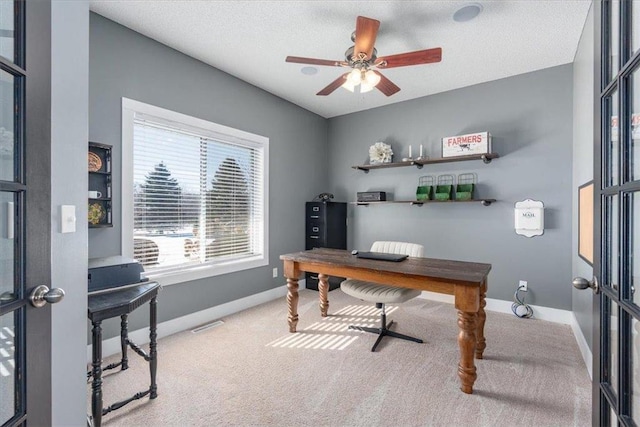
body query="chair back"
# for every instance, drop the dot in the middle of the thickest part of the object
(402, 248)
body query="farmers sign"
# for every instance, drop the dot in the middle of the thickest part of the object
(462, 145)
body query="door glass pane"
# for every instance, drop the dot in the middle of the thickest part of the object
(634, 223)
(635, 371)
(7, 245)
(612, 373)
(634, 92)
(7, 126)
(611, 218)
(635, 26)
(611, 143)
(8, 383)
(614, 45)
(7, 29)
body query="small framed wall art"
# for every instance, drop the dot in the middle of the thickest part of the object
(464, 145)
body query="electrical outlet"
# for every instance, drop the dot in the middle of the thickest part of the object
(275, 272)
(523, 285)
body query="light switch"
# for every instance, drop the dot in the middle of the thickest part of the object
(67, 219)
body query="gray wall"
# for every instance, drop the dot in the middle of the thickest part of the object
(124, 63)
(69, 132)
(583, 94)
(530, 118)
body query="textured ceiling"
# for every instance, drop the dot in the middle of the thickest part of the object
(250, 40)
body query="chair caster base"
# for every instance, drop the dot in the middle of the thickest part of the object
(384, 331)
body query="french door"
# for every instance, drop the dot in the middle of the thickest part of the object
(616, 374)
(25, 206)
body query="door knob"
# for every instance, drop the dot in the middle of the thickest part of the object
(42, 295)
(582, 283)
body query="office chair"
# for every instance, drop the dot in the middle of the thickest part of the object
(381, 294)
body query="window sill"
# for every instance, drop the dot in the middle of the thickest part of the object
(188, 274)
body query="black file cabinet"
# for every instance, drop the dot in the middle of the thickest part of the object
(326, 227)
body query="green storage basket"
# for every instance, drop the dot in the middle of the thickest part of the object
(425, 188)
(466, 186)
(444, 189)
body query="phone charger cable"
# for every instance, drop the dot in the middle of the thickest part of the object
(519, 307)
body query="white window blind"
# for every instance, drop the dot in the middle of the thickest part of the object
(198, 196)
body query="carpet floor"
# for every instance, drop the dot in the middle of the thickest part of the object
(250, 371)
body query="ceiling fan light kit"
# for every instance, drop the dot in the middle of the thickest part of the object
(362, 57)
(367, 80)
(348, 85)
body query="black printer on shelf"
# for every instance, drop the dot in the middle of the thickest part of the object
(113, 273)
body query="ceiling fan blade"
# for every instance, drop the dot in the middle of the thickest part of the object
(314, 61)
(333, 85)
(386, 86)
(366, 32)
(410, 58)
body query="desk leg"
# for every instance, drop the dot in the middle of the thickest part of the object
(153, 347)
(467, 343)
(292, 303)
(323, 291)
(124, 342)
(292, 272)
(96, 384)
(481, 342)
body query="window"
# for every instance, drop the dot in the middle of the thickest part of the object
(194, 195)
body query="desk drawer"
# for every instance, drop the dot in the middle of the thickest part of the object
(316, 212)
(315, 241)
(316, 236)
(315, 228)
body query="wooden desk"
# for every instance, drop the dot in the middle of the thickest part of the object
(466, 281)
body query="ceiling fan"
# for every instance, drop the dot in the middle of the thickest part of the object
(362, 57)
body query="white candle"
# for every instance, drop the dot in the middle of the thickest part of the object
(420, 150)
(409, 151)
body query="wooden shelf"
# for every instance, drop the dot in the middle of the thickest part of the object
(100, 225)
(486, 158)
(484, 202)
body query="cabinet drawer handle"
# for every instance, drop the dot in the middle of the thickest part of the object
(316, 208)
(315, 229)
(314, 237)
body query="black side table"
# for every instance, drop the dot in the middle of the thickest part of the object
(121, 303)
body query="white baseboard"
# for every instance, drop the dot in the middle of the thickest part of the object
(141, 336)
(543, 313)
(587, 356)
